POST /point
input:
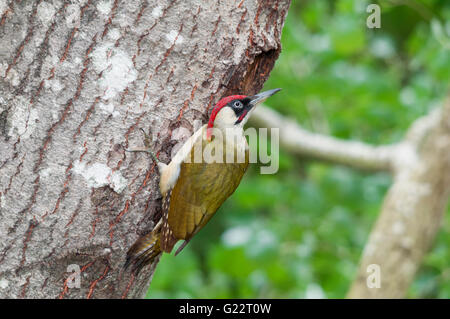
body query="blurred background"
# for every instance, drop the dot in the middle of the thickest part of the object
(300, 233)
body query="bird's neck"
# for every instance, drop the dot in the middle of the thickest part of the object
(231, 138)
(230, 132)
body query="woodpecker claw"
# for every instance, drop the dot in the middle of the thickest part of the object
(147, 148)
(146, 138)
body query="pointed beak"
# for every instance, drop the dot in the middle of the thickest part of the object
(261, 97)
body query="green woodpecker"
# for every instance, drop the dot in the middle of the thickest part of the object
(194, 187)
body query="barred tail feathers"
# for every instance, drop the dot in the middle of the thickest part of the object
(143, 251)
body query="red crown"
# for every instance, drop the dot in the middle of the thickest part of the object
(216, 110)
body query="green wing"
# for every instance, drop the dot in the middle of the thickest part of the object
(200, 190)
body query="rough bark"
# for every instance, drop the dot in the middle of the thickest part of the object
(77, 80)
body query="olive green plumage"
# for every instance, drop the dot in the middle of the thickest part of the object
(199, 191)
(194, 187)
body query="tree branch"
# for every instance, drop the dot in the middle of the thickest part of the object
(414, 205)
(410, 216)
(300, 142)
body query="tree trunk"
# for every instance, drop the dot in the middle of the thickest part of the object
(77, 81)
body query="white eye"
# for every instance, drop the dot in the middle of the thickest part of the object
(238, 104)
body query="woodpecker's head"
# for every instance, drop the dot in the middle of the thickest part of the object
(234, 111)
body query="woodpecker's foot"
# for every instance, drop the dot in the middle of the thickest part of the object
(146, 149)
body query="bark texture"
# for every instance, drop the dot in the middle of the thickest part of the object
(77, 80)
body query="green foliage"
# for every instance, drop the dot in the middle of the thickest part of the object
(300, 233)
